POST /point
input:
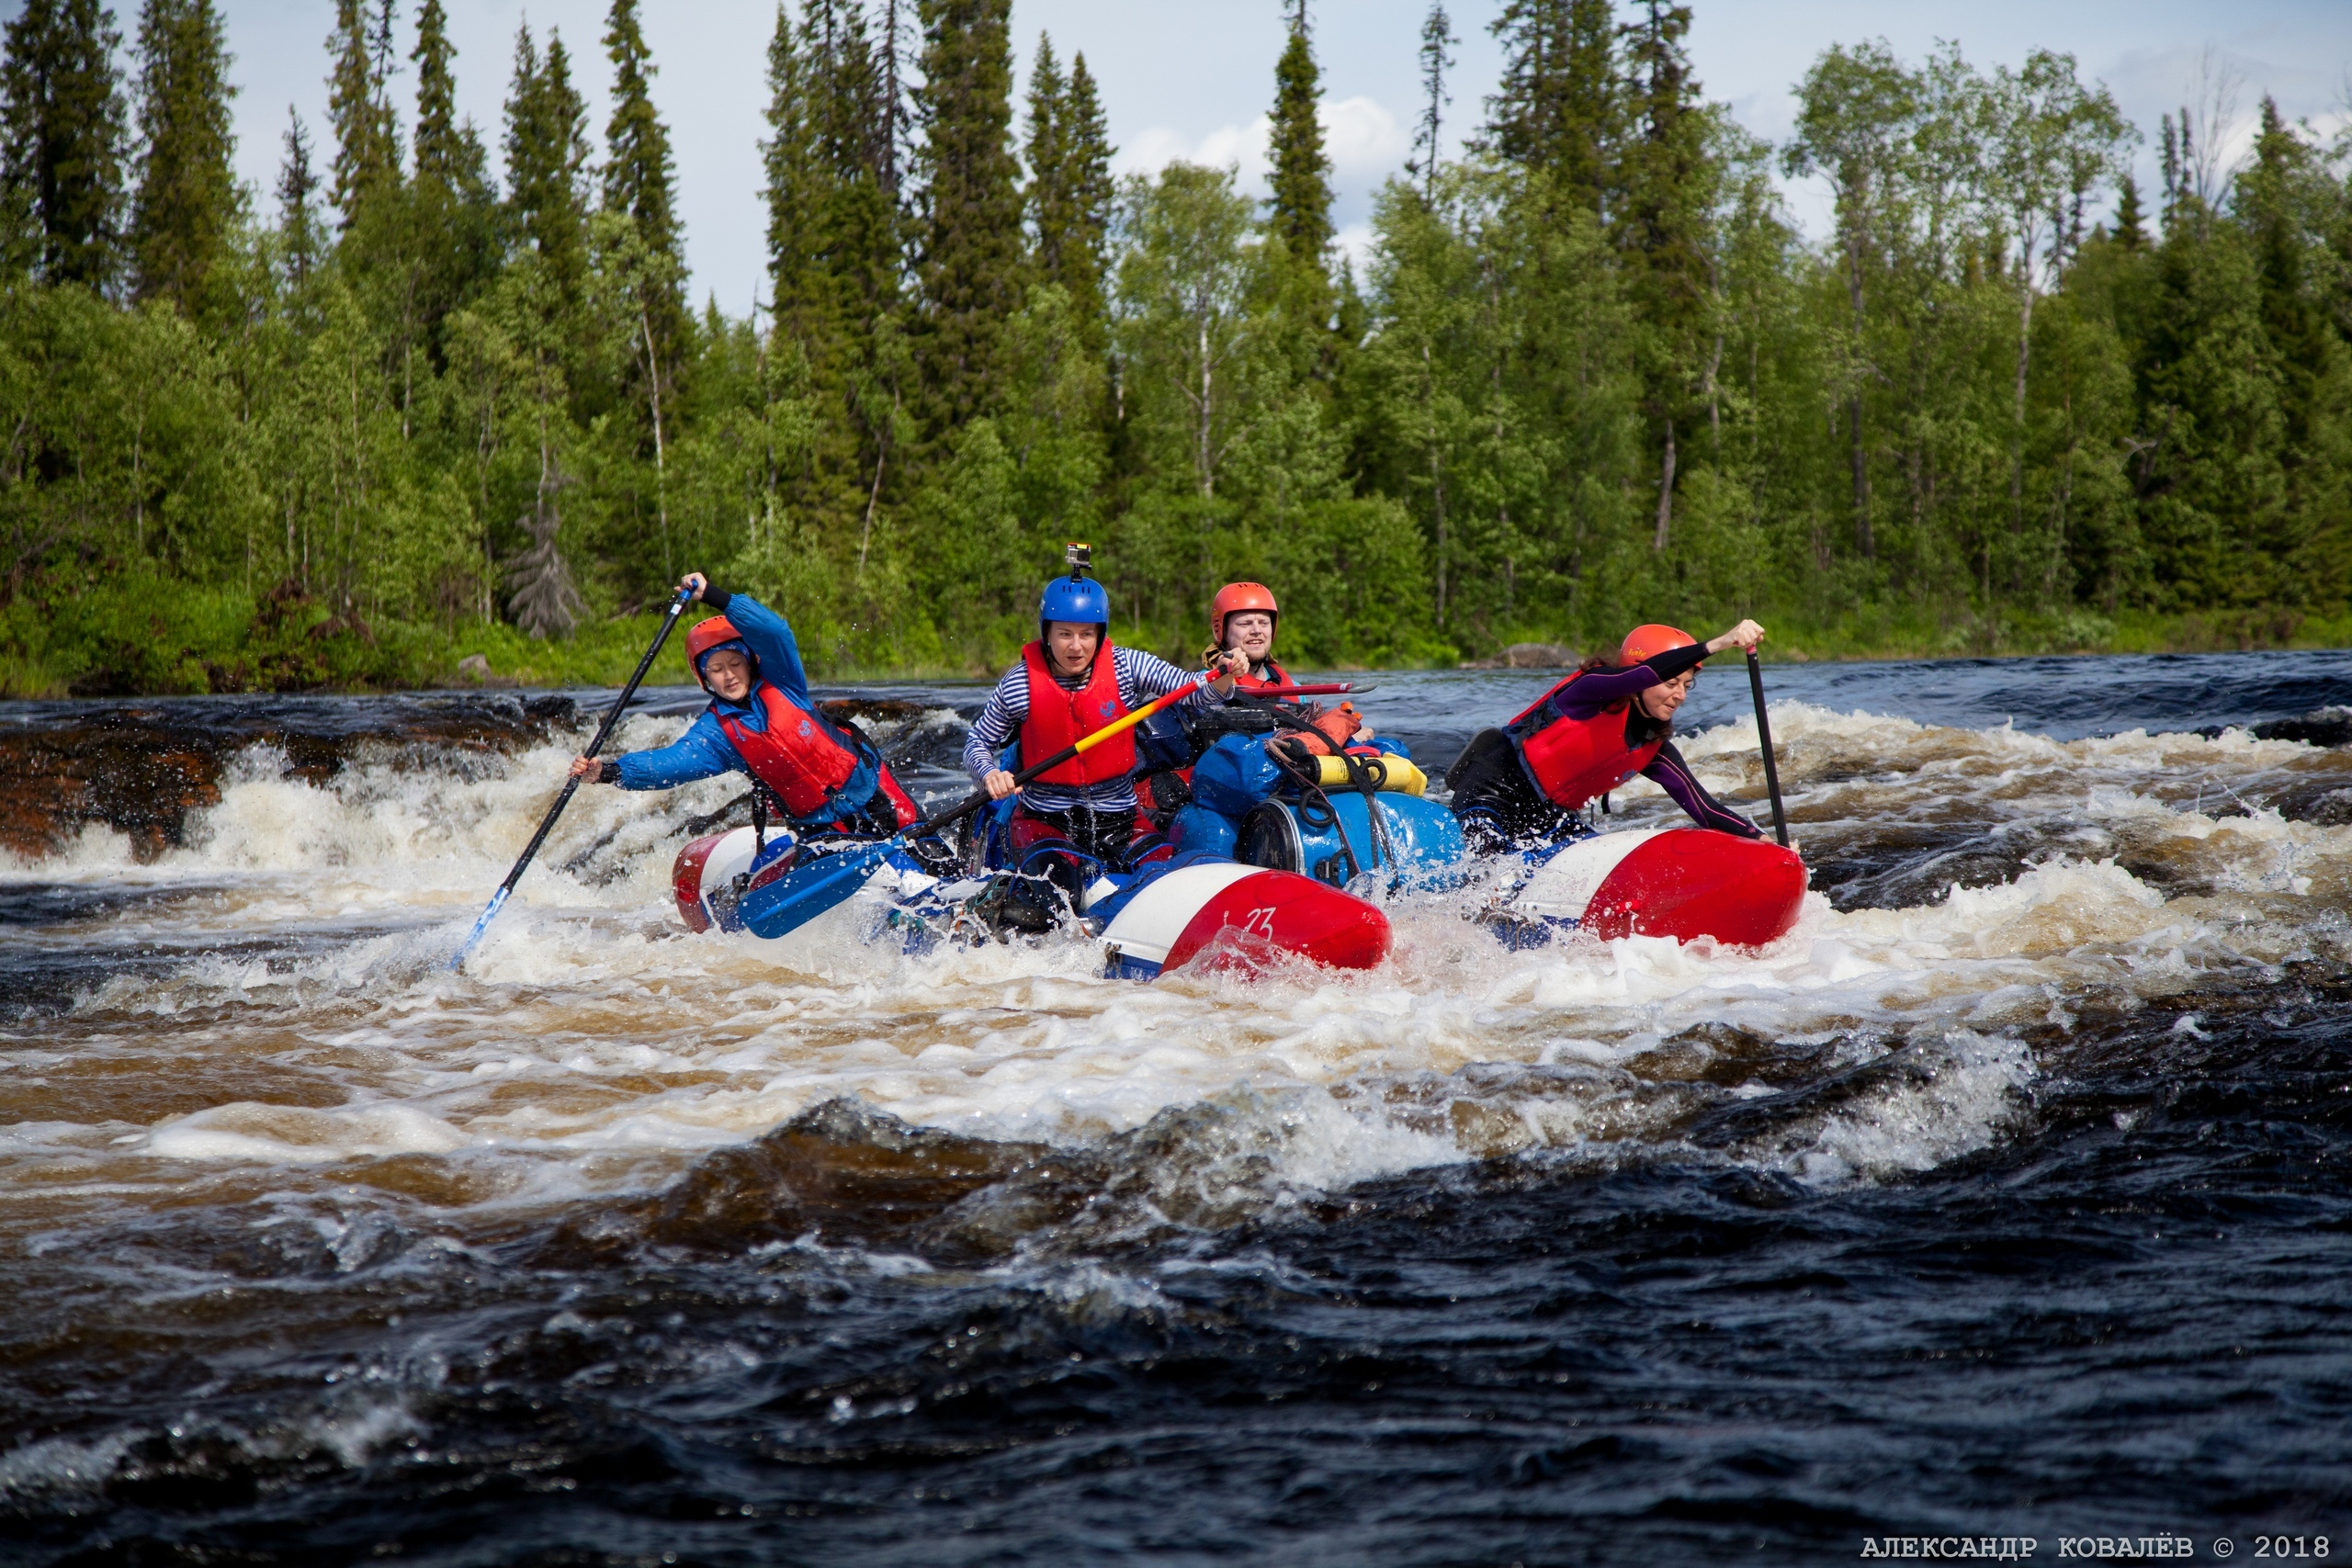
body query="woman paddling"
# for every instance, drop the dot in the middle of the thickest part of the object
(1521, 786)
(762, 722)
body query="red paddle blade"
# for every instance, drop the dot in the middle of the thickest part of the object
(1330, 689)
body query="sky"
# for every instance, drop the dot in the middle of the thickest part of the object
(1193, 79)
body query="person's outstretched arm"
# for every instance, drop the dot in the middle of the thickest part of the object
(1143, 676)
(1597, 689)
(1674, 776)
(702, 752)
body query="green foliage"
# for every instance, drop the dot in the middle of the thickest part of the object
(1592, 375)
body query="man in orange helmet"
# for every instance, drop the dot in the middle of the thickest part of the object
(762, 721)
(1242, 618)
(1521, 786)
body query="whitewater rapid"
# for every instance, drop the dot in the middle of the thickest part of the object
(280, 1003)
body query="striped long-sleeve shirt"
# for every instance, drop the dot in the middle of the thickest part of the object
(1142, 676)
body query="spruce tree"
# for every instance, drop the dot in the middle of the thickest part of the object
(1071, 190)
(1437, 59)
(187, 199)
(298, 218)
(451, 217)
(2131, 222)
(61, 111)
(2274, 196)
(1299, 212)
(794, 172)
(547, 158)
(1659, 223)
(441, 153)
(1047, 201)
(971, 263)
(367, 152)
(895, 127)
(835, 255)
(639, 184)
(641, 181)
(639, 177)
(1558, 111)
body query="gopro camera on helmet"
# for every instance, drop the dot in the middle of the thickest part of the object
(1080, 558)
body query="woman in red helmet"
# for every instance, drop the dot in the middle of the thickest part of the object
(762, 722)
(1521, 786)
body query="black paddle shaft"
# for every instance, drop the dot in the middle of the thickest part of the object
(981, 797)
(1764, 735)
(604, 732)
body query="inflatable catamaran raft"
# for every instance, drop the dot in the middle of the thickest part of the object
(1290, 881)
(1147, 922)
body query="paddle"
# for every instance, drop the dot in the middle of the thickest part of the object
(1764, 734)
(497, 899)
(1333, 689)
(800, 895)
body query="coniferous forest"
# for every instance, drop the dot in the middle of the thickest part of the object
(444, 390)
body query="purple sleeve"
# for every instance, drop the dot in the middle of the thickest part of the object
(1673, 775)
(1597, 689)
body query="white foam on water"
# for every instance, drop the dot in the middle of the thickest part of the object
(300, 1135)
(1971, 1093)
(591, 1034)
(48, 1466)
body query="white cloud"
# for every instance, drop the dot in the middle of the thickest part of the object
(1363, 138)
(1243, 146)
(1354, 241)
(1239, 146)
(1360, 137)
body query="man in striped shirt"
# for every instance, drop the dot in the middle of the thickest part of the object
(1080, 817)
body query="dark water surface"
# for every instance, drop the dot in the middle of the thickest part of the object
(2010, 1195)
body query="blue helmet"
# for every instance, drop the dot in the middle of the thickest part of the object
(1079, 600)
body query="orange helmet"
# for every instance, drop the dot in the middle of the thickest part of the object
(1235, 597)
(1643, 641)
(714, 632)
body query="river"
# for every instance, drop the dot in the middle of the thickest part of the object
(2009, 1196)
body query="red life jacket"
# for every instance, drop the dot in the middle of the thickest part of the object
(801, 756)
(1275, 676)
(1573, 761)
(1060, 717)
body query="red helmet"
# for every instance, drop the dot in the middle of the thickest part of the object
(704, 636)
(1644, 642)
(1235, 597)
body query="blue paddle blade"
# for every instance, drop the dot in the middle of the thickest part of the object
(800, 895)
(497, 901)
